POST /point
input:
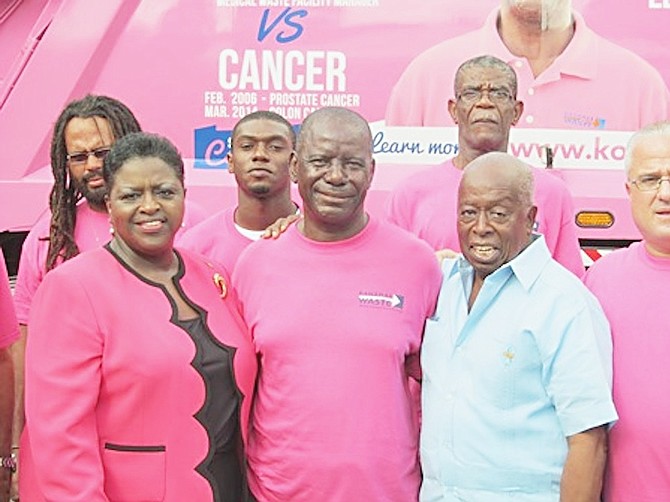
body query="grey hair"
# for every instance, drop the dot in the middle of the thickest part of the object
(659, 129)
(487, 61)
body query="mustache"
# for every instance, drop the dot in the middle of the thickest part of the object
(91, 174)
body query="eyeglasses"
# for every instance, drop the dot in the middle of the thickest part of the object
(496, 95)
(649, 183)
(82, 157)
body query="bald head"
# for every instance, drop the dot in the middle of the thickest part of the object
(334, 172)
(334, 117)
(501, 169)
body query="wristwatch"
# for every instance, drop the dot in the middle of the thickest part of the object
(8, 462)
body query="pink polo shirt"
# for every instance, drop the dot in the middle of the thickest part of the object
(216, 238)
(9, 327)
(593, 84)
(92, 230)
(632, 287)
(426, 204)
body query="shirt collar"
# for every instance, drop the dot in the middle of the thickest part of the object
(578, 58)
(526, 266)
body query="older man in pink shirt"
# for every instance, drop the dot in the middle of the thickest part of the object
(485, 108)
(632, 285)
(569, 77)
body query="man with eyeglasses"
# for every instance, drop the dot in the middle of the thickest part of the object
(516, 360)
(633, 286)
(567, 72)
(485, 108)
(77, 221)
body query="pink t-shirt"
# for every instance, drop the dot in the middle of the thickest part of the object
(426, 205)
(336, 326)
(9, 327)
(632, 287)
(578, 91)
(217, 238)
(92, 230)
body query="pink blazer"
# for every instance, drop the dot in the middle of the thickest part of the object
(110, 391)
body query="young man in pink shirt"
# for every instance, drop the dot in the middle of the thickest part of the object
(633, 285)
(484, 108)
(567, 73)
(335, 308)
(261, 151)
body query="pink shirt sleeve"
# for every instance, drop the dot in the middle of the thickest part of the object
(556, 215)
(9, 327)
(69, 462)
(398, 209)
(31, 268)
(194, 213)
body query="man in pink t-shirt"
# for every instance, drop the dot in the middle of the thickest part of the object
(261, 151)
(485, 108)
(335, 308)
(9, 333)
(632, 285)
(568, 74)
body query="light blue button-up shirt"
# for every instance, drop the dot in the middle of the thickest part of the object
(507, 382)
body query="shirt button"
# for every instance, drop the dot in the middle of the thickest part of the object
(518, 63)
(531, 91)
(530, 119)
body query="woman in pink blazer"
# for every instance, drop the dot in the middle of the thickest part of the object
(139, 373)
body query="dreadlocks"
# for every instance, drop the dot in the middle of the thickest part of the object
(64, 194)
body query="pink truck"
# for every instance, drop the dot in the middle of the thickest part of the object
(190, 69)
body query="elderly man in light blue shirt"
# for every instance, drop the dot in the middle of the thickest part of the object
(516, 361)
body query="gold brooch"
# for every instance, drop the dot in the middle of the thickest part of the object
(220, 283)
(508, 355)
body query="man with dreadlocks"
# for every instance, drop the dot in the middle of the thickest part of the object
(78, 220)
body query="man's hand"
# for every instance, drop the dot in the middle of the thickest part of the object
(280, 226)
(14, 488)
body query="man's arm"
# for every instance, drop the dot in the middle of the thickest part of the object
(6, 411)
(18, 351)
(582, 478)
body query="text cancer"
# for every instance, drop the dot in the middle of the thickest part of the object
(279, 70)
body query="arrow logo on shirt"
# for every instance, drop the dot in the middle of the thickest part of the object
(381, 300)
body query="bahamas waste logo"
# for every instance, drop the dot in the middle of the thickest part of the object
(381, 300)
